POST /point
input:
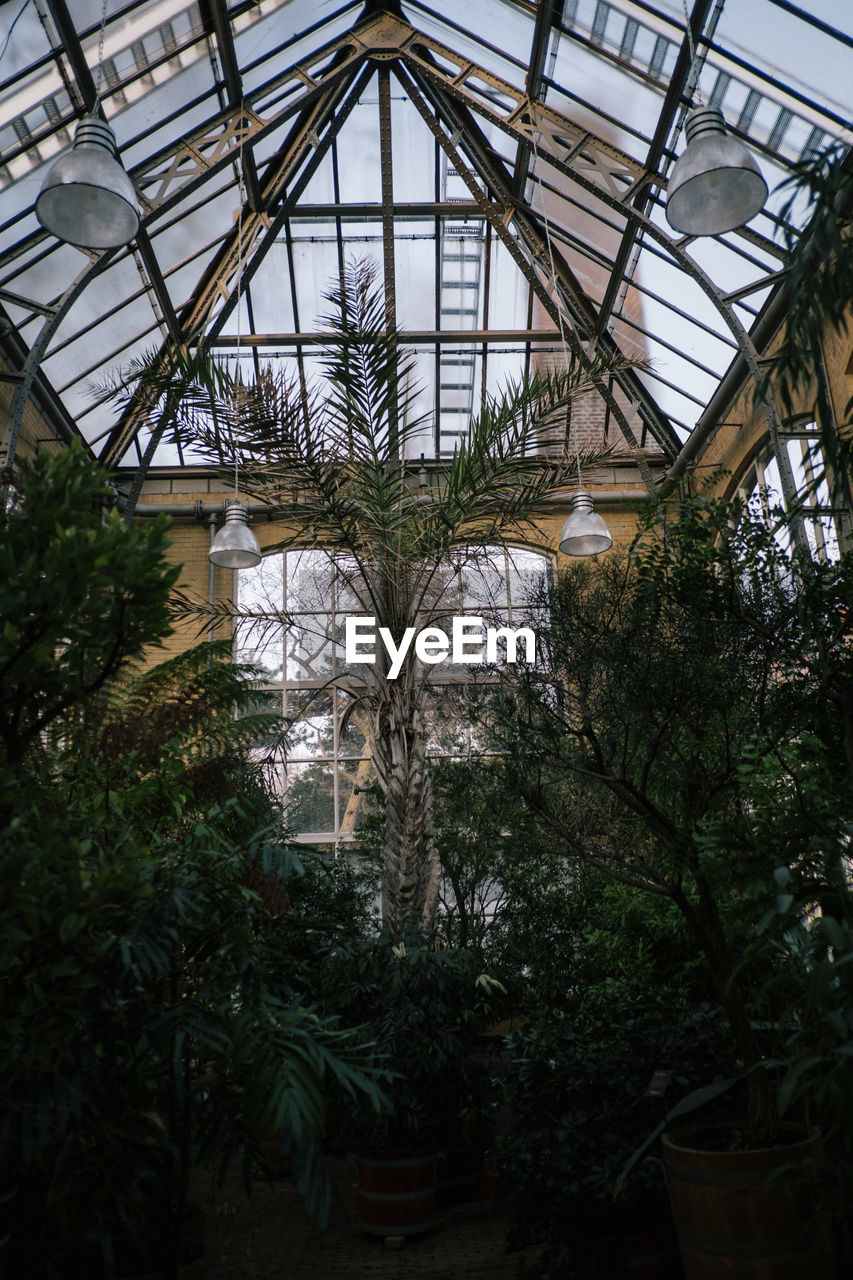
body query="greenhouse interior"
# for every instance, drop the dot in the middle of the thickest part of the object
(426, 566)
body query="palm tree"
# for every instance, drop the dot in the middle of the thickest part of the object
(331, 463)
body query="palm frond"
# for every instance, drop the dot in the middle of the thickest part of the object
(372, 392)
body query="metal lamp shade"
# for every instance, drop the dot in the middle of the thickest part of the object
(584, 533)
(235, 546)
(87, 199)
(715, 184)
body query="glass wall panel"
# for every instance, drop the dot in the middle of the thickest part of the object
(298, 602)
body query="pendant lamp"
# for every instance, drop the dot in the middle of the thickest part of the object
(715, 184)
(235, 546)
(584, 533)
(87, 199)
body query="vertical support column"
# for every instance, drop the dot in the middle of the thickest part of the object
(787, 482)
(387, 171)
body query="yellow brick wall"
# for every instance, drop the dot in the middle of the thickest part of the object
(190, 535)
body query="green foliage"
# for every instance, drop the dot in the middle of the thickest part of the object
(80, 595)
(423, 1009)
(542, 921)
(577, 1086)
(149, 1020)
(814, 957)
(632, 943)
(819, 289)
(686, 728)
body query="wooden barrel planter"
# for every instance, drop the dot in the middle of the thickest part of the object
(396, 1190)
(735, 1219)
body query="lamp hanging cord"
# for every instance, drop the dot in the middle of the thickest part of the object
(18, 15)
(99, 72)
(693, 86)
(241, 196)
(561, 323)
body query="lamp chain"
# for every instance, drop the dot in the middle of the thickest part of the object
(693, 84)
(241, 196)
(100, 70)
(561, 324)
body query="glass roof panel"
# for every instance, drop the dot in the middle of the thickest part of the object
(622, 110)
(286, 34)
(413, 151)
(767, 34)
(778, 71)
(357, 149)
(272, 302)
(495, 34)
(509, 294)
(155, 120)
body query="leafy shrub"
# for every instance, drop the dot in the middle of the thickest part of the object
(423, 1008)
(577, 1086)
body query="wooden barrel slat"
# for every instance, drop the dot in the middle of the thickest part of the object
(396, 1191)
(735, 1216)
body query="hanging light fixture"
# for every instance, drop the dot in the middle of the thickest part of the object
(715, 184)
(87, 199)
(584, 533)
(235, 546)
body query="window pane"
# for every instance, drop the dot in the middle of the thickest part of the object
(298, 604)
(311, 797)
(309, 647)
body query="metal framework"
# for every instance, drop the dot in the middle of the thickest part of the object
(506, 128)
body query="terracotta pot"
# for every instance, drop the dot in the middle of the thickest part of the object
(738, 1216)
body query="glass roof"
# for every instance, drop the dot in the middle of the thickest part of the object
(503, 162)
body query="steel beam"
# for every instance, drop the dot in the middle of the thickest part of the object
(538, 262)
(542, 30)
(242, 252)
(682, 73)
(410, 338)
(597, 167)
(221, 24)
(500, 210)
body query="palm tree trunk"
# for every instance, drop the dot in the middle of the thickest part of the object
(410, 856)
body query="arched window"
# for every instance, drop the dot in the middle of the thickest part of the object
(761, 486)
(293, 609)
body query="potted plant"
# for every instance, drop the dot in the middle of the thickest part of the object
(423, 1009)
(812, 956)
(661, 739)
(584, 1084)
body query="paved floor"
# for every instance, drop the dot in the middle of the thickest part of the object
(268, 1236)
